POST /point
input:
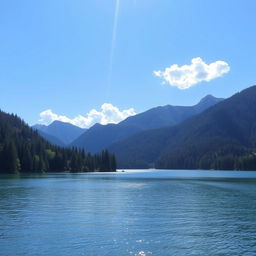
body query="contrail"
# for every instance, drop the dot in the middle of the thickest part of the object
(113, 46)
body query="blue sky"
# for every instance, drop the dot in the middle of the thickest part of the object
(55, 54)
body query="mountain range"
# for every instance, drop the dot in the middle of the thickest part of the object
(214, 134)
(221, 137)
(100, 136)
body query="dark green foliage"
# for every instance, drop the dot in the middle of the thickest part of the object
(23, 150)
(222, 137)
(9, 158)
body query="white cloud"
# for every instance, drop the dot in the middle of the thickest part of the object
(107, 114)
(198, 71)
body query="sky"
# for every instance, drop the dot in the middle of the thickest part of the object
(88, 61)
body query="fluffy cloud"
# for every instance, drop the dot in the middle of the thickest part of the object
(107, 114)
(198, 71)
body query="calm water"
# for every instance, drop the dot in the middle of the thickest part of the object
(157, 213)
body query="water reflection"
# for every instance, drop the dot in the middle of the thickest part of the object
(146, 213)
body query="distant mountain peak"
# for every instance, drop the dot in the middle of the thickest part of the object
(209, 97)
(209, 100)
(64, 131)
(221, 137)
(100, 136)
(57, 122)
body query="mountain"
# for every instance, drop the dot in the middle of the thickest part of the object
(222, 137)
(23, 150)
(169, 115)
(40, 127)
(100, 137)
(53, 140)
(59, 133)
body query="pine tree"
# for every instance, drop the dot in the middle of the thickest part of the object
(9, 159)
(22, 149)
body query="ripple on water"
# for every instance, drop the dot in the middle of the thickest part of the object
(110, 215)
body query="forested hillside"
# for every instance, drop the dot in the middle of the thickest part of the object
(23, 150)
(222, 137)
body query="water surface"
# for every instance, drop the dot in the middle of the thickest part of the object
(142, 213)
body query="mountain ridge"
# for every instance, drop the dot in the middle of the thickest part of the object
(99, 136)
(59, 133)
(229, 126)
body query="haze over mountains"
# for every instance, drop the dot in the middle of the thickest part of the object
(99, 136)
(59, 133)
(213, 134)
(222, 137)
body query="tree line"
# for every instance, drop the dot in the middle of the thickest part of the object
(23, 150)
(210, 156)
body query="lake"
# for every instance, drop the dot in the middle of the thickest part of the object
(135, 213)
